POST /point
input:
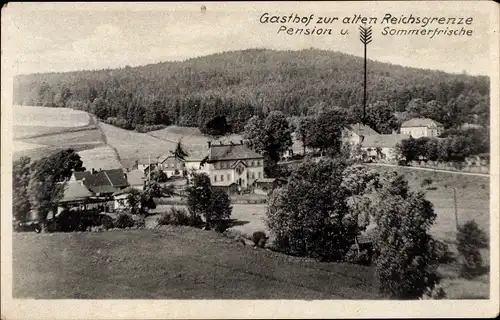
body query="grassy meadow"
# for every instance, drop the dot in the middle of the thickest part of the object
(41, 131)
(132, 145)
(190, 136)
(176, 263)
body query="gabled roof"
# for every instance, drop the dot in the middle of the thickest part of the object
(135, 177)
(362, 130)
(80, 175)
(383, 140)
(106, 181)
(232, 152)
(239, 161)
(421, 122)
(74, 191)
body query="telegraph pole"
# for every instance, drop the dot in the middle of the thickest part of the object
(455, 205)
(365, 36)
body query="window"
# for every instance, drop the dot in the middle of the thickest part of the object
(253, 175)
(228, 177)
(221, 177)
(253, 163)
(259, 174)
(215, 178)
(248, 175)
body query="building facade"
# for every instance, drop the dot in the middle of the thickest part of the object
(422, 127)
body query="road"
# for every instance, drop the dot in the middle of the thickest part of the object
(429, 169)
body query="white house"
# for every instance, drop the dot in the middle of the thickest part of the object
(226, 164)
(355, 133)
(422, 127)
(382, 146)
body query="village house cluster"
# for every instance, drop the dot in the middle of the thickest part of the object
(231, 166)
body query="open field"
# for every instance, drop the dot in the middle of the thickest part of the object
(68, 139)
(175, 263)
(132, 145)
(190, 136)
(40, 132)
(49, 117)
(473, 194)
(102, 157)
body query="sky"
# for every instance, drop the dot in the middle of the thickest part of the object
(58, 37)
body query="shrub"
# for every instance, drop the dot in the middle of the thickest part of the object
(179, 217)
(123, 221)
(259, 239)
(470, 238)
(426, 182)
(107, 222)
(442, 252)
(355, 257)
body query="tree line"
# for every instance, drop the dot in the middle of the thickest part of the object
(226, 89)
(453, 146)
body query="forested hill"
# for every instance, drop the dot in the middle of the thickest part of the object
(240, 84)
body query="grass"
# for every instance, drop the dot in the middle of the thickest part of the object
(68, 139)
(49, 117)
(472, 198)
(132, 145)
(190, 136)
(103, 157)
(173, 263)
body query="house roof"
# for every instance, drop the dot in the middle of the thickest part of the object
(265, 180)
(232, 152)
(135, 177)
(362, 130)
(74, 191)
(80, 175)
(123, 191)
(421, 122)
(383, 140)
(106, 181)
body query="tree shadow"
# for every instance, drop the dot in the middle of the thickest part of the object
(235, 222)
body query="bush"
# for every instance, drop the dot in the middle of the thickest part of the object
(107, 222)
(146, 128)
(470, 238)
(442, 252)
(179, 217)
(426, 182)
(259, 239)
(123, 221)
(362, 257)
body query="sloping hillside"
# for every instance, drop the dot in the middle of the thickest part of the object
(240, 84)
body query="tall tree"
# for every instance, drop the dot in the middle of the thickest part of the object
(327, 133)
(405, 260)
(20, 181)
(47, 181)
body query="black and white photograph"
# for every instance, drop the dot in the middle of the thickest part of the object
(301, 153)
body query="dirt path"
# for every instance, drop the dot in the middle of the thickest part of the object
(430, 169)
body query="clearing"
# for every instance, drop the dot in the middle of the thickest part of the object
(190, 136)
(132, 145)
(173, 263)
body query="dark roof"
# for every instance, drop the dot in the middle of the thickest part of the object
(362, 130)
(421, 122)
(80, 175)
(105, 181)
(232, 152)
(383, 140)
(103, 189)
